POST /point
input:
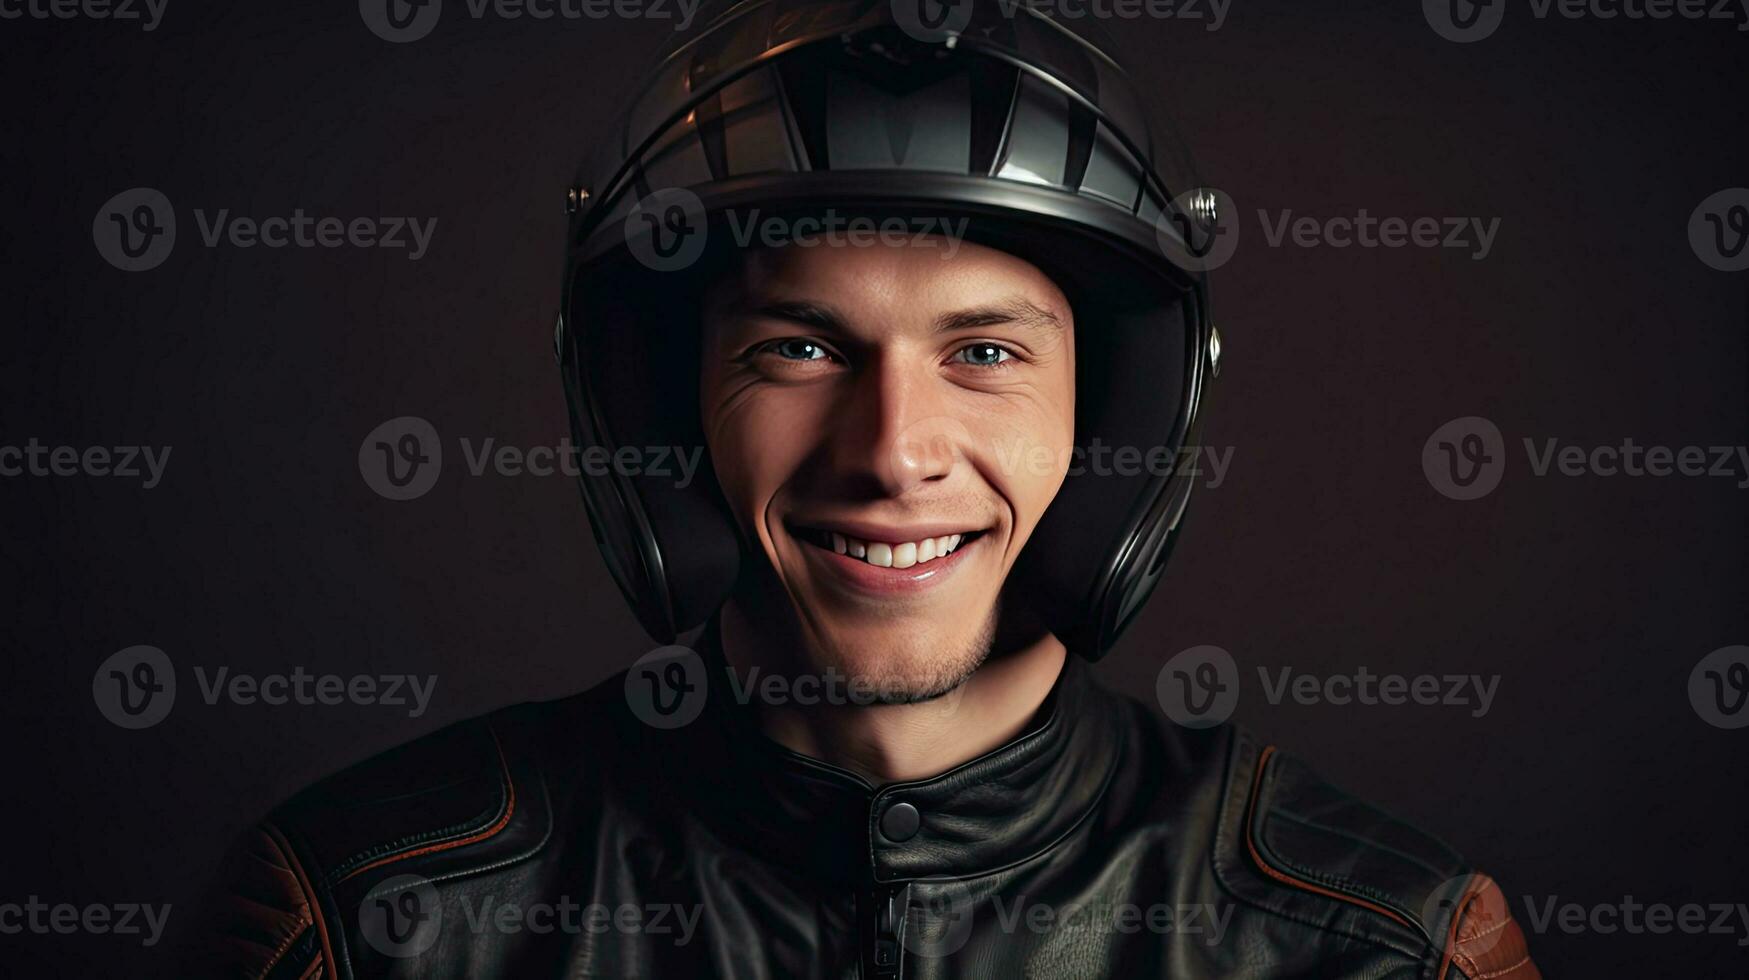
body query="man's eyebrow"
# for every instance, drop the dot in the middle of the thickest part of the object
(822, 317)
(805, 312)
(1013, 310)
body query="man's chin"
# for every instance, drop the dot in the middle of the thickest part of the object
(890, 667)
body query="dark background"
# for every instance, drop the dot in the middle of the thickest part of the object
(1592, 320)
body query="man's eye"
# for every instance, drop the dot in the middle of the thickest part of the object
(983, 355)
(795, 349)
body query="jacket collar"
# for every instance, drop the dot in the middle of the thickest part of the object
(995, 811)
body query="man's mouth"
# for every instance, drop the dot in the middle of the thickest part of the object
(888, 554)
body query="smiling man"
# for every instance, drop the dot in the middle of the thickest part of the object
(859, 403)
(882, 753)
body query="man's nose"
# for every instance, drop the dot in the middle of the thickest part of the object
(893, 430)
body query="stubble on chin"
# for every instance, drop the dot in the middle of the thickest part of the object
(907, 669)
(899, 665)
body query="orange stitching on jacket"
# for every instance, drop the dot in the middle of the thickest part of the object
(310, 897)
(492, 831)
(1250, 844)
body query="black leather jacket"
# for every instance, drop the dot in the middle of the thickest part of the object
(568, 839)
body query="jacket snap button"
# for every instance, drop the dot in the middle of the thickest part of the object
(900, 822)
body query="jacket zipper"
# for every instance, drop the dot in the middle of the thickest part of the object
(884, 925)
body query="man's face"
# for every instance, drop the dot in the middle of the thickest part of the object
(888, 425)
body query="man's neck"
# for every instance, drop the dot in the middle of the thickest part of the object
(887, 743)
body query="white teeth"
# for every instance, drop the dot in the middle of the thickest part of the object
(905, 554)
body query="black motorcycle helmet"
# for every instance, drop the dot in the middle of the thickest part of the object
(984, 110)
